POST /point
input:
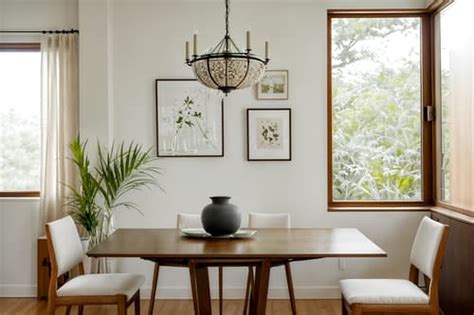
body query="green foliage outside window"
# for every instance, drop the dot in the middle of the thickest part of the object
(376, 96)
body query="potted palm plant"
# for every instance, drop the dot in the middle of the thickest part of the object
(82, 203)
(103, 188)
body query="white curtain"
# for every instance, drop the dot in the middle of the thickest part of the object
(60, 120)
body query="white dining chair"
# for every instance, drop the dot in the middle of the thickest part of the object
(66, 253)
(270, 221)
(398, 295)
(184, 221)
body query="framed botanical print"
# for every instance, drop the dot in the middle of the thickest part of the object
(269, 134)
(273, 86)
(190, 119)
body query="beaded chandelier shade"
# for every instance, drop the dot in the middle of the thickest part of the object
(225, 67)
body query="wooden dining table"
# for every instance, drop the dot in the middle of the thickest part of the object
(267, 248)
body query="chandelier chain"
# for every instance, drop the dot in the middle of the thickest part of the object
(227, 13)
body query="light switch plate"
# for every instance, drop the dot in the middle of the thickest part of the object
(342, 264)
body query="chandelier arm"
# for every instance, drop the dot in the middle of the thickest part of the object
(223, 55)
(235, 46)
(218, 47)
(245, 76)
(210, 74)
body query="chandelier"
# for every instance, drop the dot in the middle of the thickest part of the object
(225, 67)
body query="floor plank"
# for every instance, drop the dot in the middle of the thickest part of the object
(31, 306)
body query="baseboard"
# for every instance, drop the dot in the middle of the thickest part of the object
(314, 292)
(17, 290)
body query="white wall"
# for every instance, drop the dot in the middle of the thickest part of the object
(146, 41)
(19, 217)
(127, 44)
(38, 14)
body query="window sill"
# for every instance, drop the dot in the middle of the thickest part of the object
(380, 209)
(11, 198)
(453, 214)
(19, 194)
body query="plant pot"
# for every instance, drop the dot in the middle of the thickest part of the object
(220, 217)
(87, 261)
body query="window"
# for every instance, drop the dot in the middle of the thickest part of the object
(378, 142)
(19, 119)
(455, 102)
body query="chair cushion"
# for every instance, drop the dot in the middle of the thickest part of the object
(382, 291)
(102, 284)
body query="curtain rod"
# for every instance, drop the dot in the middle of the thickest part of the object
(71, 31)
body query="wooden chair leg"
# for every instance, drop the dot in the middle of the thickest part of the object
(355, 310)
(80, 310)
(248, 290)
(51, 308)
(122, 306)
(289, 280)
(68, 310)
(343, 304)
(137, 303)
(221, 289)
(153, 288)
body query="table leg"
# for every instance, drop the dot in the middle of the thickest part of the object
(153, 288)
(192, 278)
(203, 292)
(258, 301)
(291, 291)
(221, 289)
(248, 290)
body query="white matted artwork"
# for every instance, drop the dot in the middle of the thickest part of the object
(189, 119)
(273, 86)
(269, 134)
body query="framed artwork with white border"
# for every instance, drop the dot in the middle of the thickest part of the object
(190, 119)
(268, 134)
(273, 86)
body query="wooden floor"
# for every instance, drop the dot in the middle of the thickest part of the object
(30, 306)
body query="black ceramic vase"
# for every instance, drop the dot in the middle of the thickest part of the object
(220, 217)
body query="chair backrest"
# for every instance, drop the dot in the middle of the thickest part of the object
(188, 221)
(428, 245)
(269, 220)
(65, 244)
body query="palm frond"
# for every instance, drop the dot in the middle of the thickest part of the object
(125, 168)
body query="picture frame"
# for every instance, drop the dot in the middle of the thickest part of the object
(274, 85)
(269, 134)
(189, 119)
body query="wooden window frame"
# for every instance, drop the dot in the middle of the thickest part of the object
(435, 12)
(19, 47)
(427, 141)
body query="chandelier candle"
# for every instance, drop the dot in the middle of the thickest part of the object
(248, 41)
(195, 44)
(267, 50)
(187, 51)
(226, 67)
